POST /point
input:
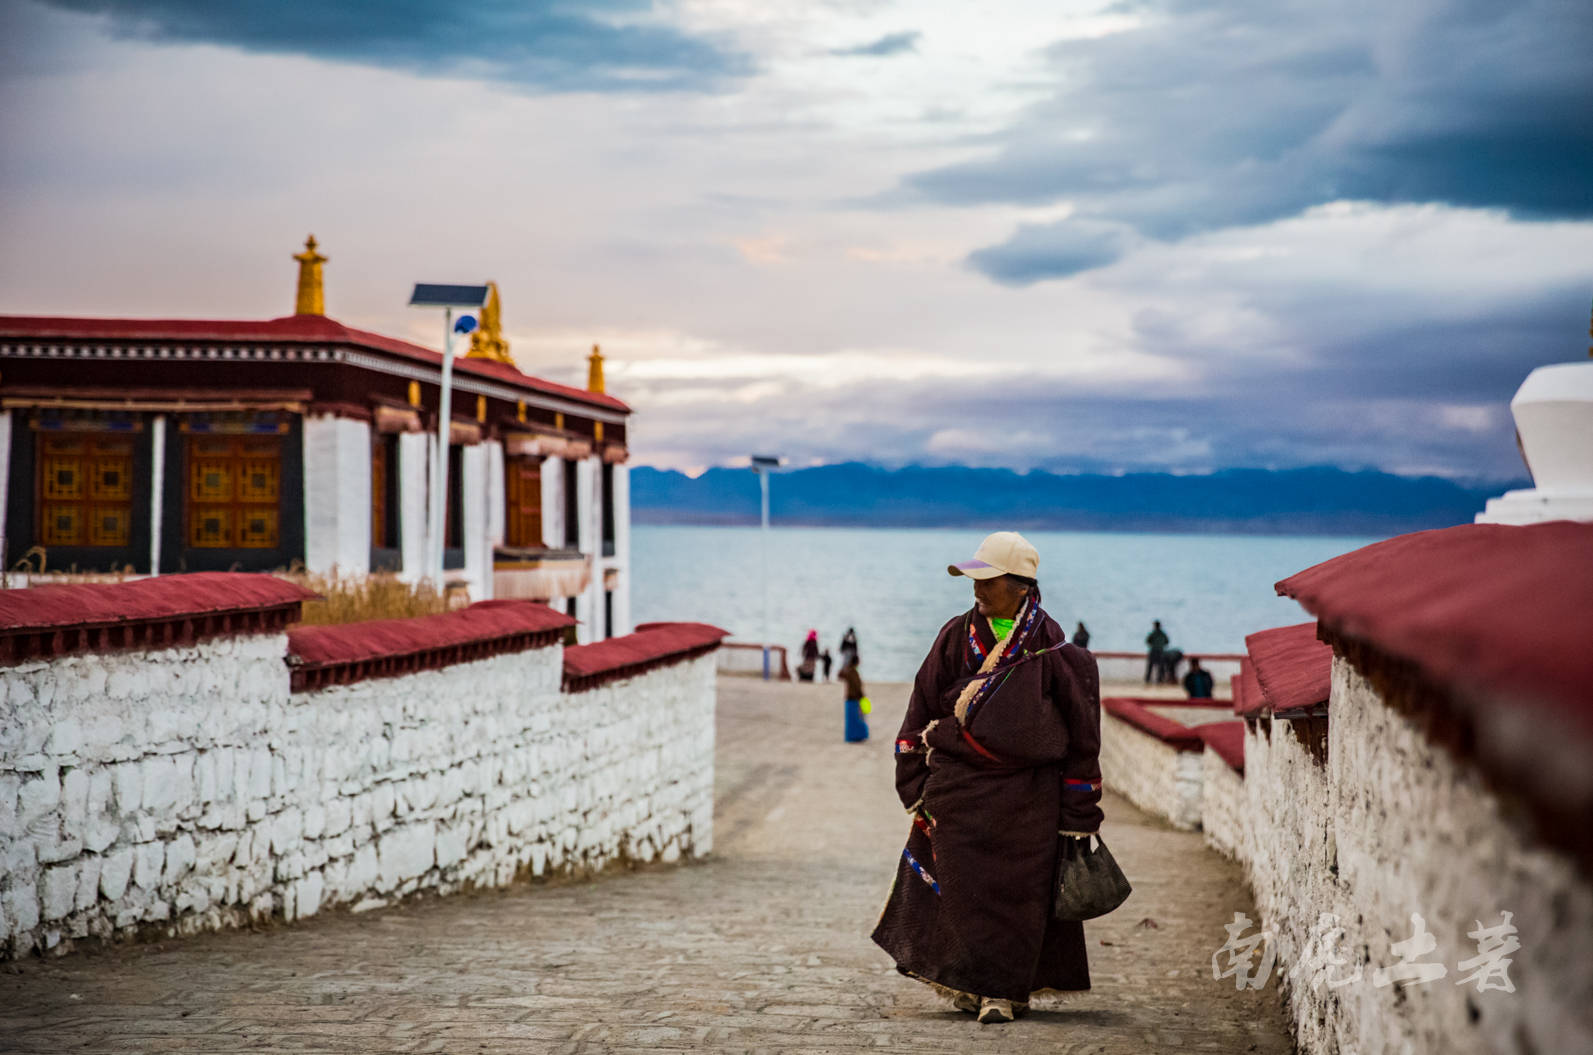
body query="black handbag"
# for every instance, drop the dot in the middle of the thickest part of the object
(1088, 881)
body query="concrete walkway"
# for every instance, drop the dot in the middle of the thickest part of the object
(764, 947)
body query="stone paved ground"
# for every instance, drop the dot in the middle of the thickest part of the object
(764, 947)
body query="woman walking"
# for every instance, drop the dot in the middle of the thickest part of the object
(856, 724)
(996, 762)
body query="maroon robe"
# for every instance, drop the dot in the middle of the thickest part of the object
(985, 828)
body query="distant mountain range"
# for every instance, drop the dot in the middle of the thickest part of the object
(1251, 501)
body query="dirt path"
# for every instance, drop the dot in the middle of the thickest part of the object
(764, 947)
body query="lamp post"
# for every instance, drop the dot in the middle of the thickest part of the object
(763, 465)
(447, 297)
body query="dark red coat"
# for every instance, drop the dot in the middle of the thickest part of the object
(991, 798)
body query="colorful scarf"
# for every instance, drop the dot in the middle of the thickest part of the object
(1000, 659)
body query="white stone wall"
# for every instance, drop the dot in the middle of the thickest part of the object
(337, 495)
(1150, 773)
(1222, 804)
(1392, 827)
(187, 789)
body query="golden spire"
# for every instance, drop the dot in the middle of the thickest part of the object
(594, 370)
(312, 298)
(487, 341)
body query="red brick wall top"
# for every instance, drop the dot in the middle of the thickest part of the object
(1292, 669)
(377, 648)
(144, 613)
(1175, 734)
(1227, 739)
(1490, 607)
(652, 645)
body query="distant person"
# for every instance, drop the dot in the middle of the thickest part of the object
(848, 646)
(997, 763)
(856, 722)
(1172, 658)
(1081, 636)
(826, 661)
(1198, 681)
(810, 657)
(1155, 649)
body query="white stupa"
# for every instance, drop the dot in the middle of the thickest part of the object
(1553, 409)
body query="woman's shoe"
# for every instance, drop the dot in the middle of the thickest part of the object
(992, 1009)
(966, 1002)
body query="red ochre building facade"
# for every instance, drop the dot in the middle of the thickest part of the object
(174, 445)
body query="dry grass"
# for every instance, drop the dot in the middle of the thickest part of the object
(354, 600)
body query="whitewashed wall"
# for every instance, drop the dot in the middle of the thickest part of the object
(414, 470)
(1222, 804)
(1150, 773)
(1393, 826)
(337, 495)
(186, 789)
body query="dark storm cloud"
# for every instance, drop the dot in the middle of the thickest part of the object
(1426, 392)
(1214, 115)
(890, 44)
(532, 44)
(1057, 249)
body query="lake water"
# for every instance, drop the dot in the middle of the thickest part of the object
(1209, 591)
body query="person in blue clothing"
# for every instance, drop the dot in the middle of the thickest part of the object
(856, 724)
(1198, 681)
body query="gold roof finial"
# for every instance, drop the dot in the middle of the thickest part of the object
(487, 341)
(594, 370)
(312, 298)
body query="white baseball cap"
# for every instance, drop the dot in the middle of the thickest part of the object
(1003, 553)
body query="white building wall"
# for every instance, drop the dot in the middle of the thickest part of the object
(414, 470)
(623, 620)
(337, 495)
(477, 571)
(553, 502)
(185, 789)
(497, 513)
(589, 605)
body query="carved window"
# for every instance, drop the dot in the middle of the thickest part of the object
(234, 492)
(85, 489)
(523, 501)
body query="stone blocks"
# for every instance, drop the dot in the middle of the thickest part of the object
(187, 788)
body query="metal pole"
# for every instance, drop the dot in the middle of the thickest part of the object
(763, 480)
(439, 495)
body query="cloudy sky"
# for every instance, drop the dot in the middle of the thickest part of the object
(1066, 234)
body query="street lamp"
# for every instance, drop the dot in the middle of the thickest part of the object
(763, 465)
(447, 297)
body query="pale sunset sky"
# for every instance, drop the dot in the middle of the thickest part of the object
(1080, 236)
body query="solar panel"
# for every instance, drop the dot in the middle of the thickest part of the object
(439, 295)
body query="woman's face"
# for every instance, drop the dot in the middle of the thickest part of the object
(998, 598)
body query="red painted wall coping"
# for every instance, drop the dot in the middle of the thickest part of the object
(1247, 698)
(1293, 670)
(349, 652)
(1204, 657)
(1177, 701)
(143, 613)
(1489, 608)
(1174, 734)
(652, 645)
(1227, 739)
